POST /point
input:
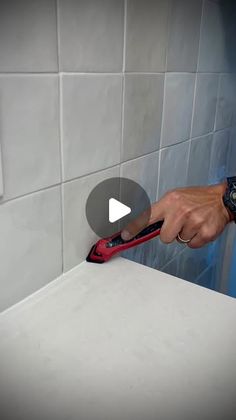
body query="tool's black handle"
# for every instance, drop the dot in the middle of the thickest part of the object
(117, 240)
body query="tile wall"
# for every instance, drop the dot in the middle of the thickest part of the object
(91, 89)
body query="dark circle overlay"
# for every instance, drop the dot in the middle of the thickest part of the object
(124, 190)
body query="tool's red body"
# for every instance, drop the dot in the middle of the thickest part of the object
(105, 248)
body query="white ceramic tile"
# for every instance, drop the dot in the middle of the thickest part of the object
(173, 167)
(226, 104)
(30, 246)
(78, 236)
(29, 123)
(144, 171)
(91, 35)
(177, 109)
(28, 36)
(184, 33)
(213, 52)
(91, 123)
(205, 104)
(199, 160)
(146, 35)
(142, 114)
(219, 156)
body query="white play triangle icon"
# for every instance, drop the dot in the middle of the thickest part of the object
(117, 210)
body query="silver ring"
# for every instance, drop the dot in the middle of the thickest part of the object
(183, 241)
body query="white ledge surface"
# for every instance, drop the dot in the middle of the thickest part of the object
(119, 341)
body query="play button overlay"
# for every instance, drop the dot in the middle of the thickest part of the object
(114, 203)
(117, 210)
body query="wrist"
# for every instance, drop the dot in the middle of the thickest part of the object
(225, 189)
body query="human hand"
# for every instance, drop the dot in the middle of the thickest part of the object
(196, 214)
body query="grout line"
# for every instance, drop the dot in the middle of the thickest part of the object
(196, 75)
(60, 138)
(211, 133)
(203, 272)
(124, 36)
(122, 120)
(56, 72)
(191, 127)
(123, 85)
(180, 72)
(139, 157)
(29, 73)
(195, 89)
(193, 105)
(104, 73)
(58, 32)
(217, 101)
(230, 73)
(200, 35)
(144, 73)
(61, 128)
(172, 259)
(62, 227)
(162, 148)
(201, 136)
(158, 175)
(176, 144)
(188, 161)
(168, 33)
(163, 112)
(162, 117)
(116, 165)
(91, 73)
(62, 167)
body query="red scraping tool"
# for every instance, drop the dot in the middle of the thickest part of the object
(105, 248)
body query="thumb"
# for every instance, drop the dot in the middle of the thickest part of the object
(145, 219)
(135, 226)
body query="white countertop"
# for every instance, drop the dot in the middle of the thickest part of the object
(119, 341)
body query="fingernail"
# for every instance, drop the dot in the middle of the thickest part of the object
(126, 236)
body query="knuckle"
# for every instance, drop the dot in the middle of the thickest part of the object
(206, 234)
(185, 210)
(173, 196)
(196, 220)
